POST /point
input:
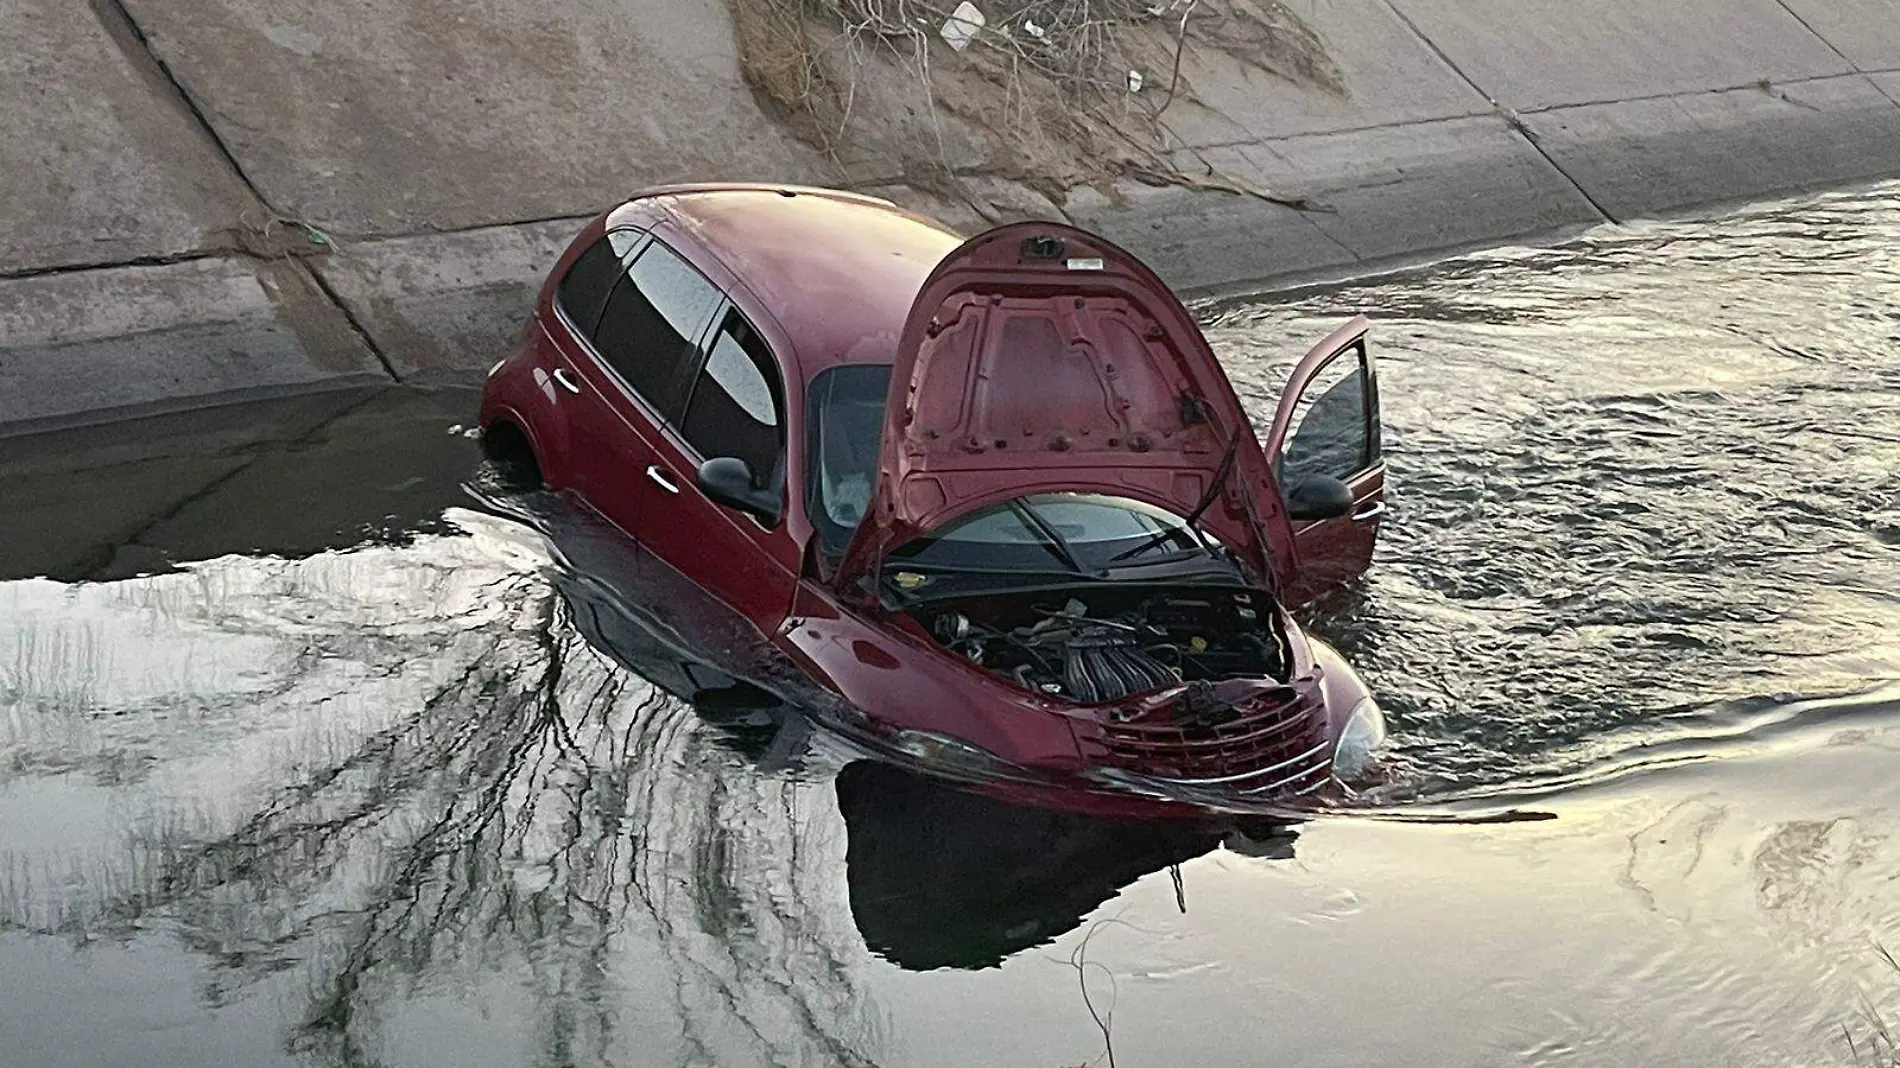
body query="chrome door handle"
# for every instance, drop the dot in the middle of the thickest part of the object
(567, 383)
(1369, 513)
(660, 479)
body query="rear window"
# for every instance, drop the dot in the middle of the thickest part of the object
(583, 289)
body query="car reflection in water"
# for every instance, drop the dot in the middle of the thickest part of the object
(941, 877)
(533, 819)
(939, 874)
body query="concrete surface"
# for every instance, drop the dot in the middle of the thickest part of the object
(97, 163)
(1531, 54)
(1888, 84)
(1394, 77)
(1206, 237)
(1490, 184)
(1646, 156)
(443, 304)
(150, 144)
(410, 115)
(125, 339)
(1867, 32)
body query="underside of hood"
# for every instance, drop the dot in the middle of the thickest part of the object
(1039, 359)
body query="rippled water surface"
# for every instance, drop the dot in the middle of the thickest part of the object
(307, 756)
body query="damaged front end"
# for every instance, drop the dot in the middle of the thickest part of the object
(1174, 689)
(1101, 645)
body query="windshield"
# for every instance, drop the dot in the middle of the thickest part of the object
(1056, 531)
(846, 417)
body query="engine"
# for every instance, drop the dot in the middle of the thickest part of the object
(1114, 644)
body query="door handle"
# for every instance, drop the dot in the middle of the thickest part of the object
(659, 478)
(1369, 513)
(567, 382)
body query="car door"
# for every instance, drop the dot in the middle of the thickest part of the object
(734, 407)
(576, 380)
(1327, 427)
(643, 352)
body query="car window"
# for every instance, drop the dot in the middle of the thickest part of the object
(844, 420)
(734, 409)
(583, 289)
(1331, 432)
(652, 324)
(1048, 529)
(624, 241)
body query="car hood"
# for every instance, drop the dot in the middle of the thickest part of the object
(1039, 359)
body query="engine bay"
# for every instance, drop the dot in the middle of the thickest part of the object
(1091, 646)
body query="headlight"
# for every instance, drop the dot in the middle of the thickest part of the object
(1361, 738)
(953, 754)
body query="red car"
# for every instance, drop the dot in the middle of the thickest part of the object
(997, 494)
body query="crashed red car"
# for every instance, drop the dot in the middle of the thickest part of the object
(997, 493)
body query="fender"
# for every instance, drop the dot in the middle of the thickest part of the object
(521, 390)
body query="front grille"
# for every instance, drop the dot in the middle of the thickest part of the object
(1274, 742)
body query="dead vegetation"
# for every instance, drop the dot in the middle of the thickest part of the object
(1878, 1047)
(1048, 94)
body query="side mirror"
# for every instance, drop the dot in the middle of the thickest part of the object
(727, 480)
(1319, 497)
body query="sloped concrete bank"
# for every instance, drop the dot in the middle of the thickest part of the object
(239, 198)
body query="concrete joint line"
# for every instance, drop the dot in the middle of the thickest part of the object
(1808, 26)
(356, 325)
(168, 260)
(121, 26)
(1510, 117)
(1762, 85)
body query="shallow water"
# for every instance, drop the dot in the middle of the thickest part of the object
(306, 757)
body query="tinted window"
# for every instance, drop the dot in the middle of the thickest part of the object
(1331, 432)
(583, 290)
(734, 410)
(652, 323)
(844, 419)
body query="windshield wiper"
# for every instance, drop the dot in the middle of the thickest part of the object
(1168, 558)
(1200, 509)
(1050, 538)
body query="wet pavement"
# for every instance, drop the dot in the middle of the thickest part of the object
(318, 748)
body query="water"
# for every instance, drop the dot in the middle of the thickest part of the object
(308, 757)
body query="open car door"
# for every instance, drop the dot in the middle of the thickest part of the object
(1325, 448)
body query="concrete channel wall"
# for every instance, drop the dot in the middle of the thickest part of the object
(434, 155)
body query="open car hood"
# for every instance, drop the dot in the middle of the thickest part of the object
(1039, 359)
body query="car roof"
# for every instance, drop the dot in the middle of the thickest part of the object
(839, 271)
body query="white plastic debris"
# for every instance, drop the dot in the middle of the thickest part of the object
(1032, 29)
(962, 26)
(1134, 81)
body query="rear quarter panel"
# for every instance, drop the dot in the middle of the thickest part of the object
(521, 391)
